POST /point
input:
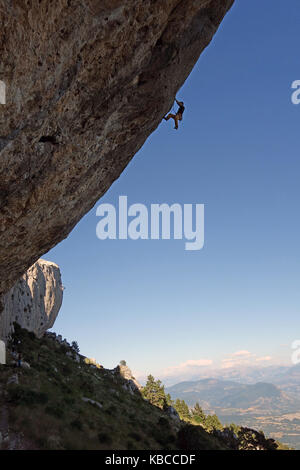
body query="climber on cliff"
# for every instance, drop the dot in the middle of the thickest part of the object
(178, 116)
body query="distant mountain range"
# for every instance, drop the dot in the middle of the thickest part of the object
(220, 395)
(287, 378)
(262, 398)
(272, 374)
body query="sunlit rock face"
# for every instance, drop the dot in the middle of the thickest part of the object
(126, 373)
(86, 83)
(34, 301)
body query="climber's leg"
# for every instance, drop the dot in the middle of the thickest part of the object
(169, 117)
(176, 119)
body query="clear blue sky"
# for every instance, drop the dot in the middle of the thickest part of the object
(237, 151)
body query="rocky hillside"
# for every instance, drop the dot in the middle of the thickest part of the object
(59, 399)
(34, 301)
(87, 83)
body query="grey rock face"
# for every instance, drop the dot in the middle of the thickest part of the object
(13, 379)
(34, 301)
(86, 83)
(173, 413)
(93, 402)
(132, 384)
(2, 352)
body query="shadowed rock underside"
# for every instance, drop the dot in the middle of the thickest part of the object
(87, 82)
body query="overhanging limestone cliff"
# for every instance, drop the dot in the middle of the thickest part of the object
(87, 82)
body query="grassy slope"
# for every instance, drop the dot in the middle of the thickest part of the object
(46, 411)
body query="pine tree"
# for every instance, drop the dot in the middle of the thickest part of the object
(234, 428)
(212, 423)
(198, 414)
(154, 392)
(182, 409)
(169, 400)
(75, 346)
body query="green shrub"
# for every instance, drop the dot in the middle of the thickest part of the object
(111, 410)
(105, 438)
(63, 349)
(55, 410)
(191, 437)
(39, 367)
(131, 445)
(19, 395)
(31, 335)
(162, 437)
(69, 401)
(66, 370)
(65, 388)
(135, 436)
(163, 422)
(77, 424)
(86, 386)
